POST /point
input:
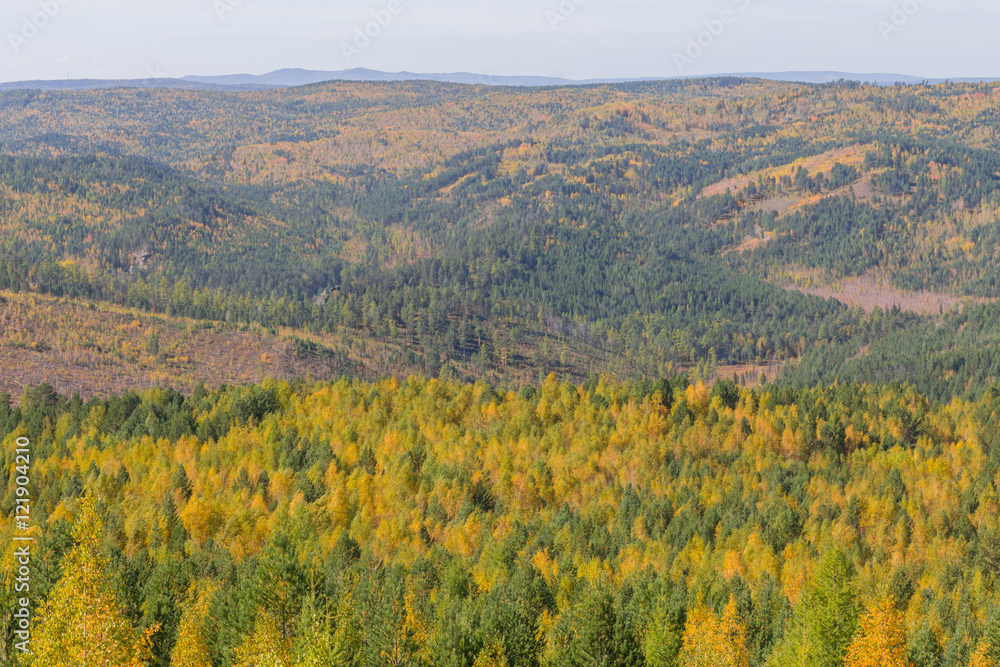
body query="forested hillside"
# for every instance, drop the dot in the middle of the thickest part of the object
(370, 374)
(635, 229)
(421, 522)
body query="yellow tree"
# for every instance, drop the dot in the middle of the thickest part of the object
(711, 640)
(408, 642)
(266, 646)
(881, 639)
(192, 649)
(981, 656)
(82, 623)
(987, 653)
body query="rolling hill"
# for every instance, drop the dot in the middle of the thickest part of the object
(357, 373)
(577, 229)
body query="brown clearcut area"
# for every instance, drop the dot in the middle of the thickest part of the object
(97, 350)
(862, 192)
(761, 239)
(873, 290)
(851, 156)
(748, 375)
(101, 350)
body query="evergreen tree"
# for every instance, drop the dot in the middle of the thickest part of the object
(325, 640)
(824, 620)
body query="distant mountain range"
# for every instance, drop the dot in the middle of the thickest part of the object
(302, 77)
(285, 78)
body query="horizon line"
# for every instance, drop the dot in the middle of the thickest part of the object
(243, 79)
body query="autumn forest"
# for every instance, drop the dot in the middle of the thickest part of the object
(693, 373)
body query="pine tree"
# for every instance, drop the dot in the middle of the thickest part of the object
(322, 640)
(924, 649)
(824, 620)
(493, 655)
(82, 623)
(663, 638)
(832, 614)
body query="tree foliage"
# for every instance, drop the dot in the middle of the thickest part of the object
(82, 622)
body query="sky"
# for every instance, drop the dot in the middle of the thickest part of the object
(576, 39)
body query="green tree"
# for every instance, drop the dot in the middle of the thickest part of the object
(825, 619)
(325, 639)
(664, 634)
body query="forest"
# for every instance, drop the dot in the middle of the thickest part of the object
(425, 522)
(633, 230)
(688, 373)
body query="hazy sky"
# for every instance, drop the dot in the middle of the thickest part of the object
(47, 39)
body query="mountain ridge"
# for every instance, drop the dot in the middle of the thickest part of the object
(291, 77)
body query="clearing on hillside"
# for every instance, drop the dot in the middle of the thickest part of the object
(874, 290)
